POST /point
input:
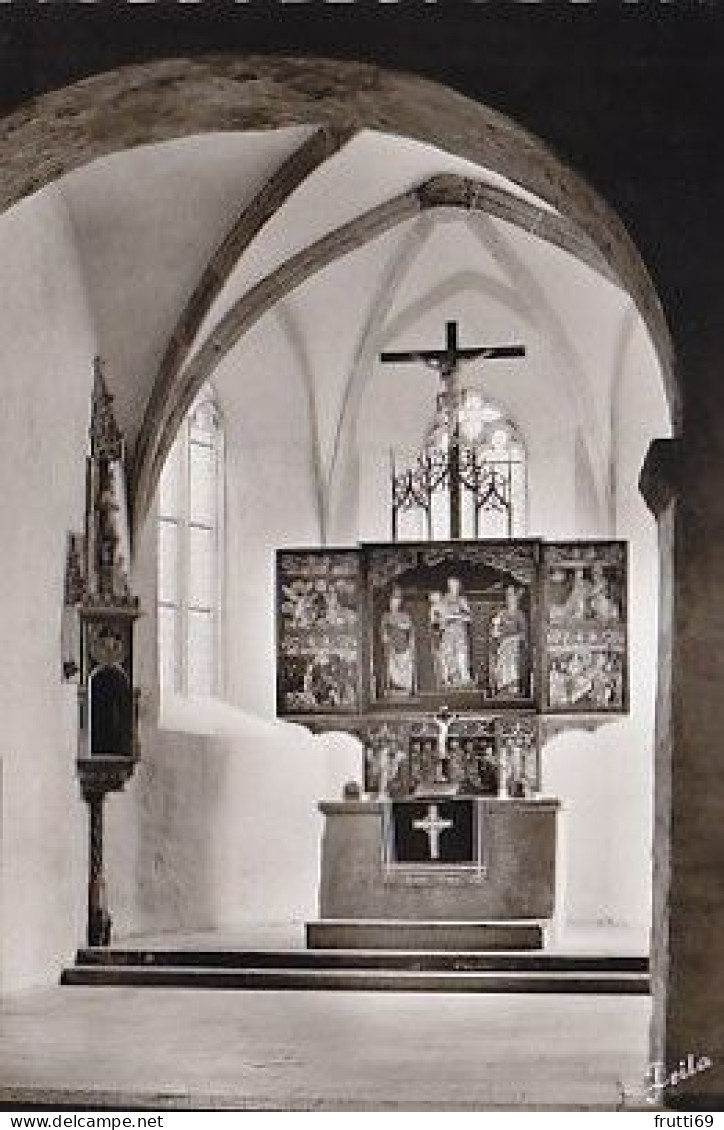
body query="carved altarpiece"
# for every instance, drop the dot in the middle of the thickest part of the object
(452, 660)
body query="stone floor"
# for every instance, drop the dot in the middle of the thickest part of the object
(333, 1051)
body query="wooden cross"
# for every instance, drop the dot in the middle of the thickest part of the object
(447, 362)
(433, 825)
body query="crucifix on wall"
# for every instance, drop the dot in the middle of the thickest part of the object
(447, 363)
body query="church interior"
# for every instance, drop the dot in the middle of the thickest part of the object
(201, 838)
(252, 304)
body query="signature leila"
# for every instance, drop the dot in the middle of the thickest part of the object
(658, 1078)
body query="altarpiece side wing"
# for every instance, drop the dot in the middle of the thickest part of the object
(585, 628)
(319, 618)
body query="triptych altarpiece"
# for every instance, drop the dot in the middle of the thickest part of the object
(385, 640)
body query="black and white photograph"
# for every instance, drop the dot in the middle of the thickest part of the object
(361, 559)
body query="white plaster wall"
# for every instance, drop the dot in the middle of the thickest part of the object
(267, 829)
(605, 779)
(267, 837)
(271, 500)
(220, 826)
(47, 343)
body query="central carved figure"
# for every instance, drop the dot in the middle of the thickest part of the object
(450, 620)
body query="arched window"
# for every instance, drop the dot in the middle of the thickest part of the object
(190, 511)
(469, 479)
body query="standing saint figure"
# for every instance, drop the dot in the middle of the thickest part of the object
(508, 633)
(578, 604)
(450, 620)
(603, 606)
(397, 635)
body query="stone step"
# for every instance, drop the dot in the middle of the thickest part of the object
(355, 980)
(414, 960)
(388, 934)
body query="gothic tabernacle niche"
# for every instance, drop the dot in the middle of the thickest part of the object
(112, 714)
(107, 612)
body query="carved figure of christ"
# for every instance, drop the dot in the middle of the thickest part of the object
(433, 826)
(447, 362)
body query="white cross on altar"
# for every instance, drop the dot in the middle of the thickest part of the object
(432, 826)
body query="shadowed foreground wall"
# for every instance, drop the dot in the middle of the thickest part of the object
(47, 344)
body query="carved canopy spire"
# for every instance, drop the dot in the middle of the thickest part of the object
(107, 527)
(106, 440)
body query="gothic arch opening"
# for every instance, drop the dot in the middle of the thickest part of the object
(256, 265)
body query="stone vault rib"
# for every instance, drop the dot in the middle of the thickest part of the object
(291, 174)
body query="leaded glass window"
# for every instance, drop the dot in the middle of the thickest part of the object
(469, 479)
(190, 515)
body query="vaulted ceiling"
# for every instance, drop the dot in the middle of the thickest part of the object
(344, 242)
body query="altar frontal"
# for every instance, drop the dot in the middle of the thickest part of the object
(432, 832)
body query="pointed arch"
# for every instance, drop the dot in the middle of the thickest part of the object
(293, 172)
(397, 270)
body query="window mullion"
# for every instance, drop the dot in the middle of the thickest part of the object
(184, 564)
(219, 561)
